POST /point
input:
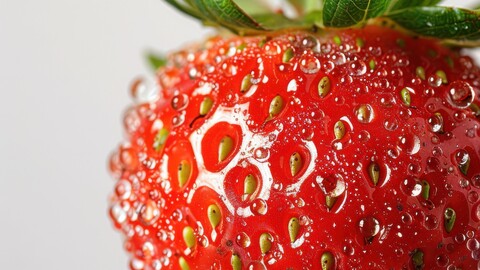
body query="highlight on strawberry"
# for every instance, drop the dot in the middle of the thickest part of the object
(331, 134)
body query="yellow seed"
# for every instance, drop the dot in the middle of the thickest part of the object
(374, 173)
(276, 106)
(339, 130)
(324, 87)
(420, 71)
(293, 229)
(296, 163)
(372, 64)
(225, 148)
(160, 139)
(206, 105)
(417, 259)
(189, 236)
(249, 185)
(360, 42)
(214, 215)
(287, 55)
(465, 166)
(442, 75)
(246, 83)
(425, 189)
(183, 264)
(337, 40)
(236, 262)
(405, 96)
(184, 172)
(328, 261)
(330, 201)
(450, 217)
(265, 242)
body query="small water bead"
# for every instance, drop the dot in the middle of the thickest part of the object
(411, 186)
(348, 249)
(118, 212)
(178, 120)
(311, 42)
(369, 227)
(472, 196)
(364, 113)
(462, 157)
(460, 238)
(431, 222)
(179, 102)
(390, 124)
(436, 122)
(328, 66)
(338, 58)
(470, 234)
(473, 244)
(463, 183)
(144, 90)
(123, 189)
(406, 218)
(309, 64)
(461, 94)
(149, 213)
(409, 144)
(259, 207)
(363, 136)
(357, 68)
(332, 185)
(442, 260)
(434, 80)
(243, 240)
(262, 154)
(475, 181)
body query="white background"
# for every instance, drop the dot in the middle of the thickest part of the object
(65, 69)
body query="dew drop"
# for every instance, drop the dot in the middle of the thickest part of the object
(259, 207)
(409, 144)
(179, 102)
(149, 213)
(411, 186)
(243, 240)
(309, 64)
(123, 189)
(357, 68)
(461, 94)
(364, 113)
(144, 91)
(369, 227)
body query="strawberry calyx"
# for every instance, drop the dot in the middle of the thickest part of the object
(456, 26)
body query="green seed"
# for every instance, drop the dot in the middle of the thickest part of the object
(372, 64)
(236, 262)
(276, 106)
(160, 139)
(330, 201)
(374, 172)
(246, 83)
(360, 42)
(339, 130)
(214, 215)
(405, 96)
(242, 46)
(184, 172)
(465, 166)
(225, 148)
(189, 237)
(293, 229)
(183, 264)
(265, 242)
(401, 43)
(337, 40)
(328, 261)
(420, 71)
(449, 61)
(425, 189)
(287, 55)
(442, 75)
(417, 259)
(249, 185)
(476, 109)
(324, 87)
(296, 163)
(449, 216)
(205, 106)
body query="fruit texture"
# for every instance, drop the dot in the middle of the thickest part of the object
(341, 149)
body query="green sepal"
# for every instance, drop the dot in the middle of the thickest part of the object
(344, 13)
(156, 61)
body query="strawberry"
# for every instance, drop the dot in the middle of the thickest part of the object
(300, 145)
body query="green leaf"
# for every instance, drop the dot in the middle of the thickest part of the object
(227, 13)
(402, 4)
(344, 13)
(156, 61)
(440, 22)
(303, 7)
(186, 8)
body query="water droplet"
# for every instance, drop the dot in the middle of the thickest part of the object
(118, 213)
(390, 124)
(473, 244)
(406, 218)
(409, 143)
(476, 181)
(442, 260)
(332, 185)
(436, 122)
(144, 91)
(262, 154)
(431, 222)
(461, 94)
(149, 213)
(369, 227)
(411, 186)
(123, 189)
(472, 196)
(259, 207)
(434, 81)
(338, 58)
(243, 240)
(462, 157)
(357, 68)
(309, 63)
(179, 102)
(364, 113)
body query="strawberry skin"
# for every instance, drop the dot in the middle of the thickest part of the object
(352, 149)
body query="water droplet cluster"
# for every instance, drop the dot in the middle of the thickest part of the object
(334, 149)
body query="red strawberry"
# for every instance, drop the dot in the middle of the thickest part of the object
(340, 149)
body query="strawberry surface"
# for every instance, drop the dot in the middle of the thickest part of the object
(352, 149)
